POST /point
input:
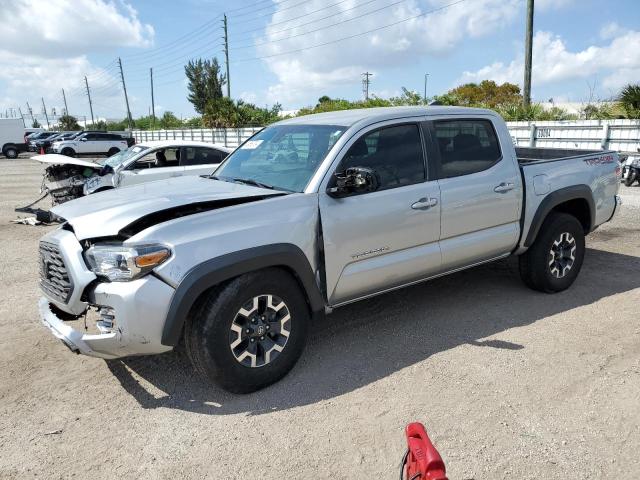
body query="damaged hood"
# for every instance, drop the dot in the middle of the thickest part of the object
(55, 159)
(105, 214)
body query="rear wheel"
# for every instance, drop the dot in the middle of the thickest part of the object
(112, 151)
(249, 332)
(68, 152)
(11, 152)
(628, 181)
(554, 260)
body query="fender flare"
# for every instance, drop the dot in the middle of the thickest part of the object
(575, 192)
(212, 272)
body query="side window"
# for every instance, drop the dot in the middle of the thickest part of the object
(91, 137)
(394, 153)
(201, 156)
(466, 146)
(167, 157)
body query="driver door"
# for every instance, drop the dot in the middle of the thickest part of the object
(379, 240)
(157, 165)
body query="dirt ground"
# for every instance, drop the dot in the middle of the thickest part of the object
(510, 383)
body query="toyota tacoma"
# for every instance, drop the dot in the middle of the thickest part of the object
(310, 214)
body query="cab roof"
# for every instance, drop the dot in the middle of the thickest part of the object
(347, 118)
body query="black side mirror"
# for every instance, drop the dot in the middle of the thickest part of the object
(354, 180)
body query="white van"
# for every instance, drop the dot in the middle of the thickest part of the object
(12, 133)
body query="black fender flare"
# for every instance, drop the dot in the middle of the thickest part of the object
(212, 272)
(574, 192)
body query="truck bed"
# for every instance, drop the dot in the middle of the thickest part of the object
(527, 155)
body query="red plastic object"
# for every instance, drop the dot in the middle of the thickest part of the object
(41, 150)
(423, 461)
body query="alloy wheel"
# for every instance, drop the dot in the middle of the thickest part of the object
(562, 255)
(260, 330)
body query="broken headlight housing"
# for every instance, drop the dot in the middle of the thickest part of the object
(120, 263)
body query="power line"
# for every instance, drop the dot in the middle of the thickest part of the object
(294, 18)
(325, 27)
(351, 36)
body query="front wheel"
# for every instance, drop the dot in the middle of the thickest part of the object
(249, 332)
(68, 152)
(554, 260)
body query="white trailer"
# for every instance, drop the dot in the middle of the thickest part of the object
(11, 137)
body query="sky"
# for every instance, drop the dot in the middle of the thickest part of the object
(292, 52)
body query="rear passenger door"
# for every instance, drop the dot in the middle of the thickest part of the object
(386, 238)
(480, 191)
(156, 165)
(201, 160)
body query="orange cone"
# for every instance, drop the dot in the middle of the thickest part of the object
(41, 150)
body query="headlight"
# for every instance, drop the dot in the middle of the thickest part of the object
(119, 263)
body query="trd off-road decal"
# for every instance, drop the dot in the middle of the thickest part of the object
(603, 160)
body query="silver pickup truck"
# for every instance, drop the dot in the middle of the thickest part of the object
(310, 214)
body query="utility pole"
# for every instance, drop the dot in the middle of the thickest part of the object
(528, 53)
(153, 107)
(90, 104)
(22, 117)
(44, 110)
(64, 97)
(126, 98)
(30, 112)
(426, 78)
(226, 55)
(365, 84)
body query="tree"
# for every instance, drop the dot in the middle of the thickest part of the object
(68, 122)
(487, 94)
(630, 100)
(205, 82)
(169, 120)
(35, 123)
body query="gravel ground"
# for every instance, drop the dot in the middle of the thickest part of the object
(510, 383)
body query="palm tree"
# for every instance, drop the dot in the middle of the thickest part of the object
(630, 100)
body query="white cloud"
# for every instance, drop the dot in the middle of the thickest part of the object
(312, 72)
(611, 30)
(44, 46)
(554, 63)
(552, 4)
(64, 28)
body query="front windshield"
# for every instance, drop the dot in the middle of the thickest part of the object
(283, 157)
(122, 156)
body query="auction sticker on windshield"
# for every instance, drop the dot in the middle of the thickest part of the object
(251, 145)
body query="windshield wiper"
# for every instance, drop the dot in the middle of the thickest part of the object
(255, 183)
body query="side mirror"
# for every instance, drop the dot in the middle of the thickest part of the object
(83, 139)
(354, 180)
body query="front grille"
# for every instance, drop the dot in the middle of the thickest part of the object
(54, 278)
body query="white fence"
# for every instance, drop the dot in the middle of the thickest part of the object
(620, 135)
(229, 137)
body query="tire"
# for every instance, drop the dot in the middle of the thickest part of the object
(11, 152)
(217, 338)
(112, 151)
(68, 152)
(630, 179)
(548, 272)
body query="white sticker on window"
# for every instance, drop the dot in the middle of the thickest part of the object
(251, 144)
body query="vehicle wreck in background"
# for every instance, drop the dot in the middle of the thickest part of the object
(67, 178)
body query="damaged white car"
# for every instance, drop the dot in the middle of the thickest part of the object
(67, 178)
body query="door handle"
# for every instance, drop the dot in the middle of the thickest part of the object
(425, 203)
(504, 187)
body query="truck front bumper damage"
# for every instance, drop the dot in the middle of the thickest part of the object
(138, 308)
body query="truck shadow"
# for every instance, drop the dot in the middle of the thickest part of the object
(364, 342)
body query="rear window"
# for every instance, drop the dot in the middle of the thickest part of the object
(466, 146)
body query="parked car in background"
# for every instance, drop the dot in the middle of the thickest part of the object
(12, 140)
(33, 145)
(310, 214)
(91, 143)
(68, 178)
(45, 143)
